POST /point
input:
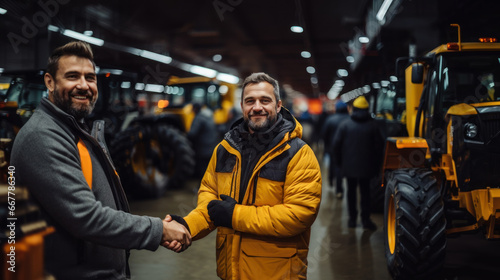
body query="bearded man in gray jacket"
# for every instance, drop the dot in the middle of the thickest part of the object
(94, 229)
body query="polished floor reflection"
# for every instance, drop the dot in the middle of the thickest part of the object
(336, 251)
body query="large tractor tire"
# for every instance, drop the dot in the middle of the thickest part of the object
(151, 159)
(414, 225)
(377, 195)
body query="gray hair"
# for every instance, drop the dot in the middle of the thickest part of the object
(259, 77)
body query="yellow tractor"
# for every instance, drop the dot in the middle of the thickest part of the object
(152, 153)
(443, 178)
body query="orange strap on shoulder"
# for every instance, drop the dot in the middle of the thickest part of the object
(86, 162)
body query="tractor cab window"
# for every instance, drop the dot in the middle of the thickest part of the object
(4, 86)
(203, 93)
(385, 103)
(26, 94)
(470, 78)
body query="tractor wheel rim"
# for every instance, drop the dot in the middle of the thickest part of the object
(143, 167)
(391, 225)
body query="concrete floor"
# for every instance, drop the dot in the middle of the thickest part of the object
(336, 252)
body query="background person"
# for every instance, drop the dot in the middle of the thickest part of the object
(204, 136)
(329, 129)
(68, 172)
(262, 191)
(358, 148)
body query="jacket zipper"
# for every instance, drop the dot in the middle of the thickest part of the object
(254, 191)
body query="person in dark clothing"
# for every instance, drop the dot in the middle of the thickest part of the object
(204, 137)
(69, 174)
(358, 146)
(329, 129)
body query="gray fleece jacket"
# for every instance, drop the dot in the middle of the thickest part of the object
(93, 227)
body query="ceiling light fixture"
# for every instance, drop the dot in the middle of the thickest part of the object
(203, 71)
(383, 10)
(310, 70)
(305, 54)
(297, 29)
(342, 73)
(156, 56)
(364, 39)
(3, 11)
(80, 36)
(350, 59)
(228, 78)
(52, 28)
(154, 88)
(217, 57)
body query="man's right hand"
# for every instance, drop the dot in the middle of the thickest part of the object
(175, 236)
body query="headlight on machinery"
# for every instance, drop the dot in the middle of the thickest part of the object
(470, 130)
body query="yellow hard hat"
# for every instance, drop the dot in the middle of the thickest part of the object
(360, 103)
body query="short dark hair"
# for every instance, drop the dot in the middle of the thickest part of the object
(259, 77)
(80, 49)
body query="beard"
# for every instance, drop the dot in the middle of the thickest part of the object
(261, 126)
(65, 103)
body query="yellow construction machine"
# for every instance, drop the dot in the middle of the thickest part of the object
(152, 152)
(443, 179)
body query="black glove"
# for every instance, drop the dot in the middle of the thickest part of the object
(221, 212)
(181, 221)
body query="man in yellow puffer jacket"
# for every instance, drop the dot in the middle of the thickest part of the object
(261, 190)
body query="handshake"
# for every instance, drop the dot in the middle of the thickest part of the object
(176, 233)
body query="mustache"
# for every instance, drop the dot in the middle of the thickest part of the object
(82, 92)
(259, 114)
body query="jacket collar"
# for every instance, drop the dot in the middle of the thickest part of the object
(361, 115)
(285, 124)
(50, 108)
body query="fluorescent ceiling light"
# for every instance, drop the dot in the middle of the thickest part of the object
(339, 83)
(80, 36)
(156, 56)
(126, 85)
(350, 59)
(202, 71)
(1, 70)
(314, 80)
(53, 28)
(342, 73)
(305, 54)
(310, 70)
(217, 58)
(154, 88)
(297, 29)
(3, 11)
(88, 32)
(227, 78)
(364, 39)
(139, 86)
(383, 10)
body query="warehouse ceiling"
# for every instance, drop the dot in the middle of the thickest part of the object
(249, 36)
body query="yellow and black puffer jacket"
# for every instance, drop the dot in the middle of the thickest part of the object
(272, 220)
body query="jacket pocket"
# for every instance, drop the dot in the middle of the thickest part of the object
(266, 260)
